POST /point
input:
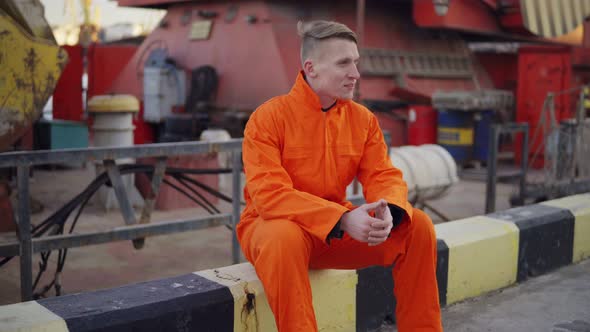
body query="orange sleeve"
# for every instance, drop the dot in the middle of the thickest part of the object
(380, 179)
(270, 186)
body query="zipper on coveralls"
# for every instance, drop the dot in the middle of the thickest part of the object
(325, 150)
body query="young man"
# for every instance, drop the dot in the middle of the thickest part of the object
(300, 152)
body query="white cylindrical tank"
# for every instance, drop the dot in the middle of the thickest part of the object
(113, 127)
(429, 170)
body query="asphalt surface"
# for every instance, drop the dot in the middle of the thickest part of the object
(557, 302)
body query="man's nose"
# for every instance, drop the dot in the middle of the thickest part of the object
(354, 72)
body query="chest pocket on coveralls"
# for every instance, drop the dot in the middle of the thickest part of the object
(348, 158)
(299, 162)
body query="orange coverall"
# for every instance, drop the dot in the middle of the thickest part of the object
(298, 162)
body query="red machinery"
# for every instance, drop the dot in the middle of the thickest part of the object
(410, 49)
(255, 50)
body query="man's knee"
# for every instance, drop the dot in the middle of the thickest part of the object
(422, 225)
(281, 236)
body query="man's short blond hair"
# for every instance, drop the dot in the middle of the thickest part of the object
(313, 32)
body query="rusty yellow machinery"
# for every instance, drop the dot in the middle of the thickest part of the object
(31, 63)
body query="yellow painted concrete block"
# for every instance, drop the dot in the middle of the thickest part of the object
(30, 317)
(483, 255)
(579, 205)
(334, 297)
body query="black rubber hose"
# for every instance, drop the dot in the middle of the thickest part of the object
(206, 188)
(60, 216)
(188, 195)
(198, 194)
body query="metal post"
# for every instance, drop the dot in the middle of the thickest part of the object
(236, 198)
(360, 34)
(492, 176)
(120, 192)
(150, 200)
(524, 162)
(577, 135)
(24, 232)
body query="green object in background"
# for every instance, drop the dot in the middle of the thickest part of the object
(60, 134)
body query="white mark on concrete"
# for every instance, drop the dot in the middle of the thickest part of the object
(525, 213)
(176, 285)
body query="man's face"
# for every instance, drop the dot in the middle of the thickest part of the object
(335, 72)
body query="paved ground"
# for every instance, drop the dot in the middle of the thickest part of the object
(555, 302)
(115, 264)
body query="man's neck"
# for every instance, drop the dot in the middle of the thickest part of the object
(325, 109)
(326, 101)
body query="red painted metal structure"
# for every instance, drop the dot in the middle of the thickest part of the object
(422, 125)
(502, 69)
(467, 15)
(67, 97)
(105, 63)
(541, 70)
(255, 50)
(7, 223)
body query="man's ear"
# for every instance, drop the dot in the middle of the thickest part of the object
(309, 69)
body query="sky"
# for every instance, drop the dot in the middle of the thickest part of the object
(110, 13)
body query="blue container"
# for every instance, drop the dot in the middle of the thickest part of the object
(483, 122)
(455, 133)
(60, 134)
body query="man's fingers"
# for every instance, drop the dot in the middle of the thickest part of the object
(380, 224)
(375, 205)
(373, 241)
(370, 206)
(379, 233)
(372, 221)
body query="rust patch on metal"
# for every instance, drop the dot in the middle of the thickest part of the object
(249, 312)
(30, 75)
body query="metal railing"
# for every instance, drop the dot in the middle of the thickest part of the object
(26, 245)
(492, 171)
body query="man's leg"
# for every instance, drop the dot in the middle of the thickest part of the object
(279, 251)
(412, 246)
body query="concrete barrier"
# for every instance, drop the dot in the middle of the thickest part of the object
(475, 255)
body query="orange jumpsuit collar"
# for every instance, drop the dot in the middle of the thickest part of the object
(303, 93)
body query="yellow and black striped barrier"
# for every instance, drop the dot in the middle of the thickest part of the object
(475, 255)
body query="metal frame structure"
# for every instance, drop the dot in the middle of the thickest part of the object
(492, 174)
(560, 178)
(549, 184)
(26, 246)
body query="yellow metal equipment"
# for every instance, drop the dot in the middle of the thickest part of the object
(30, 65)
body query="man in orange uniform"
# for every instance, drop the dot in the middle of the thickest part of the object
(300, 152)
